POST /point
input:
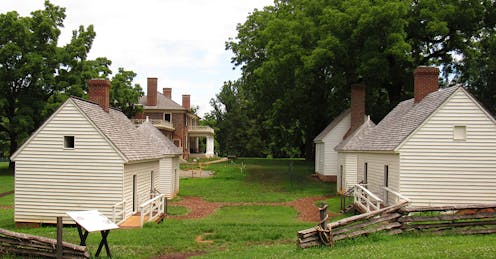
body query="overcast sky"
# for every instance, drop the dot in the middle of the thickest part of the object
(181, 42)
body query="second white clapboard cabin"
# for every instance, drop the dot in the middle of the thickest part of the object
(438, 148)
(86, 156)
(326, 157)
(168, 175)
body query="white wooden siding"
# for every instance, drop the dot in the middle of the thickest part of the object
(319, 157)
(331, 140)
(167, 177)
(375, 166)
(176, 174)
(143, 182)
(51, 180)
(437, 170)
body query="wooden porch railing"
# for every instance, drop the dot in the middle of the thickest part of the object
(119, 212)
(365, 199)
(395, 198)
(153, 208)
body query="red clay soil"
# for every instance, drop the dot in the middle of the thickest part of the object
(199, 208)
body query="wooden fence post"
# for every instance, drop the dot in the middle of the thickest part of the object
(60, 247)
(323, 215)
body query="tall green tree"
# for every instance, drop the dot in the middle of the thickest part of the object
(36, 74)
(124, 94)
(298, 58)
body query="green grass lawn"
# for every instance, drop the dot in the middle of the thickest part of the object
(258, 231)
(6, 178)
(257, 180)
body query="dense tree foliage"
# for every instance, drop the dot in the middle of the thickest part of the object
(37, 75)
(298, 59)
(124, 94)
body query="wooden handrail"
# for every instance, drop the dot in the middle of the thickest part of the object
(397, 194)
(123, 210)
(156, 205)
(362, 195)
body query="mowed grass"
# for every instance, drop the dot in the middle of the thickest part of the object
(257, 180)
(6, 178)
(260, 231)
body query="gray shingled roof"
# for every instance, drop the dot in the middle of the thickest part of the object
(120, 131)
(398, 124)
(165, 144)
(163, 103)
(331, 125)
(357, 136)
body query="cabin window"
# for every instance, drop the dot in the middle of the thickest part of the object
(167, 117)
(459, 132)
(365, 172)
(341, 176)
(68, 141)
(386, 176)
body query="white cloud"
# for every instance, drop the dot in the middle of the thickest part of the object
(179, 41)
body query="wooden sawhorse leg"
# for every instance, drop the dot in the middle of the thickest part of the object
(104, 242)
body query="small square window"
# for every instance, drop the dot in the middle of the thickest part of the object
(68, 141)
(167, 117)
(459, 132)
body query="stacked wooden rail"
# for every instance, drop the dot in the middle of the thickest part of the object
(462, 219)
(12, 243)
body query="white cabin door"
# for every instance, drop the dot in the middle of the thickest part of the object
(135, 200)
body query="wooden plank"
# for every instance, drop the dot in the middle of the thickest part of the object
(366, 224)
(367, 231)
(450, 207)
(371, 214)
(308, 239)
(446, 217)
(451, 224)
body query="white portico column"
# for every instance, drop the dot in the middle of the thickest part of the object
(210, 146)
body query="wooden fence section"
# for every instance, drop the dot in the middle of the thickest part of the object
(462, 219)
(12, 243)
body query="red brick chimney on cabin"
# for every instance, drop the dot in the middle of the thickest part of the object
(357, 109)
(425, 80)
(357, 106)
(151, 97)
(99, 92)
(186, 101)
(167, 92)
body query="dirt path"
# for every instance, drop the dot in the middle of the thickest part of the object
(200, 208)
(6, 193)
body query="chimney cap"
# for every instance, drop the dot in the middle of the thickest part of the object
(426, 70)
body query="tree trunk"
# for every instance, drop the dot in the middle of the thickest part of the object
(309, 153)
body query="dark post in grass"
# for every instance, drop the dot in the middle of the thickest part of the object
(290, 172)
(60, 247)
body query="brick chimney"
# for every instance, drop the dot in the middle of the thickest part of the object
(186, 101)
(99, 92)
(167, 92)
(151, 97)
(425, 81)
(357, 106)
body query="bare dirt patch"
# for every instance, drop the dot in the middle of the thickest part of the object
(200, 208)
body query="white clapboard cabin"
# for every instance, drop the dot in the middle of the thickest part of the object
(438, 148)
(168, 182)
(326, 157)
(87, 156)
